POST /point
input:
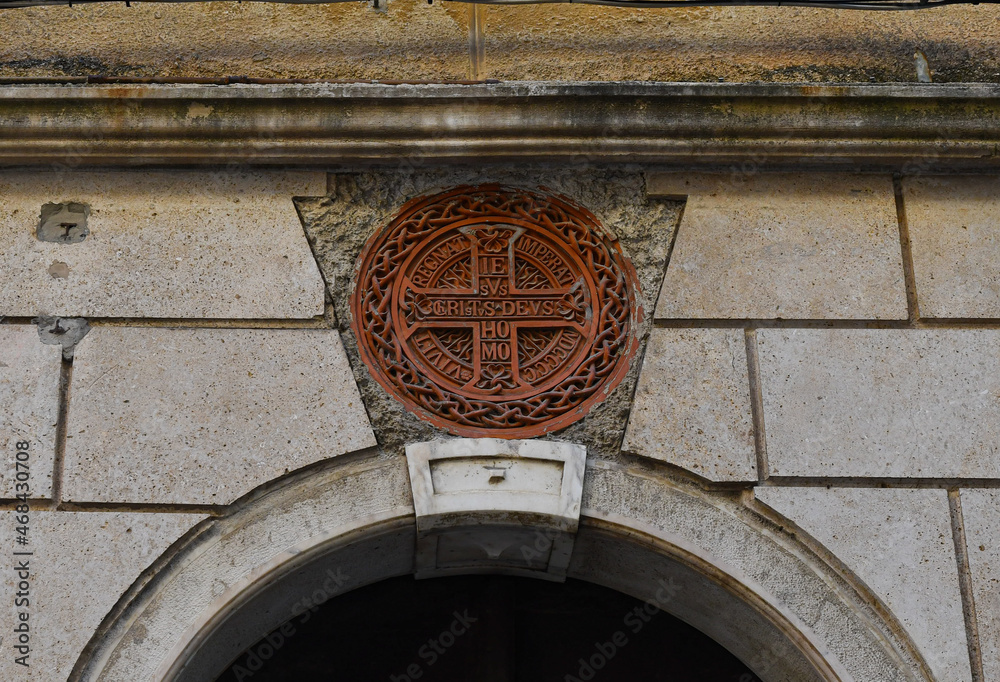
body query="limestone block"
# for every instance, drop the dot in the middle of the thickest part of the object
(955, 239)
(82, 563)
(813, 246)
(981, 510)
(160, 244)
(29, 406)
(897, 403)
(692, 404)
(205, 415)
(899, 543)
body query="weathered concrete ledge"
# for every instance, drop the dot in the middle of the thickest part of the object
(903, 127)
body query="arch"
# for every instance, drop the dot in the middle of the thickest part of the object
(707, 558)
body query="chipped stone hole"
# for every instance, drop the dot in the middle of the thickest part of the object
(62, 331)
(64, 223)
(59, 270)
(498, 474)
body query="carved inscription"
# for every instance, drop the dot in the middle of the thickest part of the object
(493, 311)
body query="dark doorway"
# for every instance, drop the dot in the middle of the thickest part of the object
(486, 629)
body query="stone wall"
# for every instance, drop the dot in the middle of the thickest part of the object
(444, 41)
(823, 349)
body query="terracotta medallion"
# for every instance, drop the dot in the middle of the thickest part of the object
(494, 311)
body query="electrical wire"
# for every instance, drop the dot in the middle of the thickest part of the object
(883, 5)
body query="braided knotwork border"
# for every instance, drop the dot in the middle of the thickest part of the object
(615, 307)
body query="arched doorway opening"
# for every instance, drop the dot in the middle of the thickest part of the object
(487, 628)
(733, 575)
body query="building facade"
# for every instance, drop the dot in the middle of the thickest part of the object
(300, 299)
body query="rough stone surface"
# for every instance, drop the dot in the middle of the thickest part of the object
(411, 40)
(955, 241)
(29, 406)
(161, 244)
(414, 40)
(83, 562)
(899, 543)
(692, 404)
(560, 42)
(981, 511)
(881, 402)
(360, 204)
(783, 246)
(231, 409)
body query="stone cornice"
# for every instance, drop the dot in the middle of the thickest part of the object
(905, 128)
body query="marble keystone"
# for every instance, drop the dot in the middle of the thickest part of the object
(489, 499)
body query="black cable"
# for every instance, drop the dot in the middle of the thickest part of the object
(884, 5)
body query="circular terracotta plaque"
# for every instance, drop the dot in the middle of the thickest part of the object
(493, 311)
